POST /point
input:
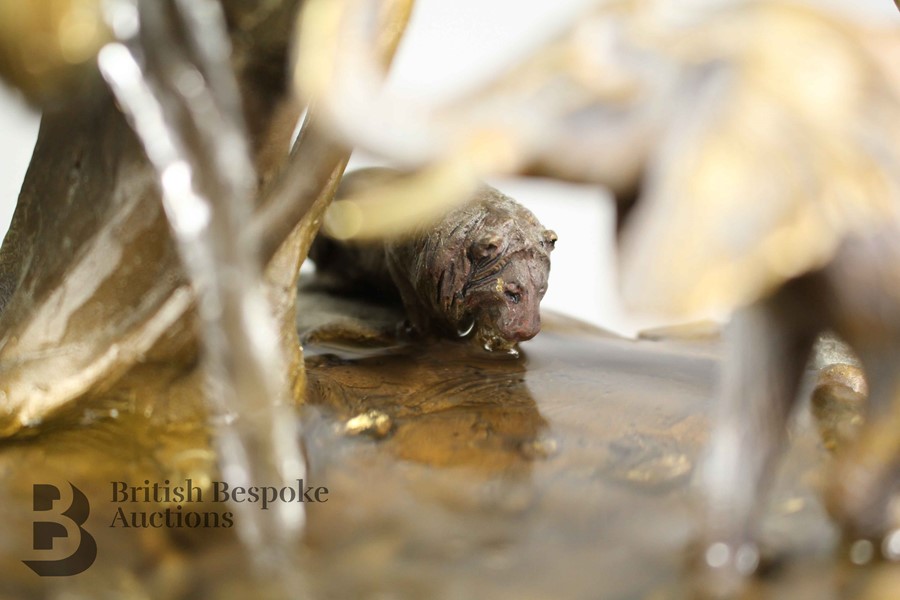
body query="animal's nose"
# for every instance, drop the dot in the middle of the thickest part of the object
(527, 328)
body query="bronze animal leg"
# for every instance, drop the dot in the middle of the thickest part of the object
(768, 345)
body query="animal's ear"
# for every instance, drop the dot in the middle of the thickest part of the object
(549, 238)
(486, 247)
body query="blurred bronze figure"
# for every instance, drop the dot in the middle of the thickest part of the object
(755, 151)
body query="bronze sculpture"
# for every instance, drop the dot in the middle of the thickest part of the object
(481, 270)
(756, 176)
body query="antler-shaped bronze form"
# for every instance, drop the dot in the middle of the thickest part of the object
(118, 238)
(89, 219)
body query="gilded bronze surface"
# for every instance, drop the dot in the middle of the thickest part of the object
(566, 473)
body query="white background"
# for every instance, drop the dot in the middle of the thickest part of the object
(450, 46)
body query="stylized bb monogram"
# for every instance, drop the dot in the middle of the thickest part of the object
(46, 531)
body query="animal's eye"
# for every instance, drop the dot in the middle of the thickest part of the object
(513, 297)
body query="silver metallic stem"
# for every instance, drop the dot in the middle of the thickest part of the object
(170, 73)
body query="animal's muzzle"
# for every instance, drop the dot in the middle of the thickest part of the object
(523, 328)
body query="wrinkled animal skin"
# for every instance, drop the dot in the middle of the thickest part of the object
(481, 269)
